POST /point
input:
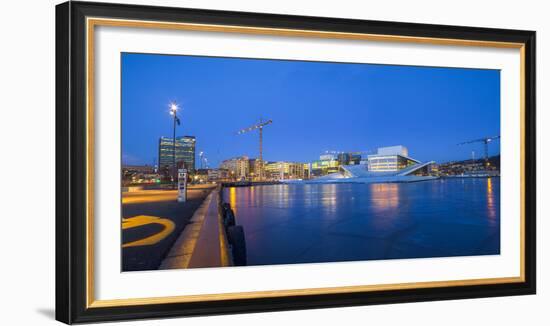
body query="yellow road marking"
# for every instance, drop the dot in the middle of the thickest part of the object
(149, 196)
(140, 220)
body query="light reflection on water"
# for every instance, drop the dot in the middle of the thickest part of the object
(233, 199)
(384, 196)
(491, 209)
(342, 222)
(329, 198)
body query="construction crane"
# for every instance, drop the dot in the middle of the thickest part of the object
(259, 126)
(485, 142)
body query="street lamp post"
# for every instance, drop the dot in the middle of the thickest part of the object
(174, 113)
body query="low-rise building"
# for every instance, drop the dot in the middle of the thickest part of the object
(139, 174)
(215, 175)
(238, 167)
(328, 163)
(284, 171)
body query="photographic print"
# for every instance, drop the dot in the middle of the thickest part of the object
(212, 162)
(246, 162)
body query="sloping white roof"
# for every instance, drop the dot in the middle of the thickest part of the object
(361, 171)
(330, 176)
(413, 168)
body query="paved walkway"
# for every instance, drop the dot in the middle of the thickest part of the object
(202, 243)
(152, 221)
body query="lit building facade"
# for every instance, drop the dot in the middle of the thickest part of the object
(389, 159)
(218, 174)
(139, 174)
(328, 163)
(185, 153)
(238, 167)
(307, 170)
(253, 168)
(284, 171)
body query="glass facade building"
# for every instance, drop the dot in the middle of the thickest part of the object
(327, 163)
(390, 159)
(330, 162)
(349, 158)
(185, 153)
(386, 163)
(324, 167)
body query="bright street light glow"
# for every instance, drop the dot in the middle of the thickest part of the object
(173, 107)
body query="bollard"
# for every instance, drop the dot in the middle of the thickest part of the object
(229, 218)
(235, 237)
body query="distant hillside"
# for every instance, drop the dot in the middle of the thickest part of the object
(493, 160)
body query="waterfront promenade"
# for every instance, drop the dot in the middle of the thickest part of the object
(313, 223)
(152, 221)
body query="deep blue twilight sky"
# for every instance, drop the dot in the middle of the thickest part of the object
(315, 106)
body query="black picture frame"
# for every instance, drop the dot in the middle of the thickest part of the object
(71, 156)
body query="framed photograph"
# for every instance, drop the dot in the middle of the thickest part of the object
(223, 162)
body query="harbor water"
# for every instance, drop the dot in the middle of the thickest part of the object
(313, 223)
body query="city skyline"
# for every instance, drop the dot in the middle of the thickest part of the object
(315, 107)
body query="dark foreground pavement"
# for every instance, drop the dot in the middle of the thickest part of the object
(153, 204)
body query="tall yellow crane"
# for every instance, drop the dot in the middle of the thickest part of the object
(259, 126)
